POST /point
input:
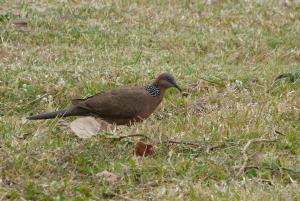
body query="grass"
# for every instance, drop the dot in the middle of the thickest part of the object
(72, 49)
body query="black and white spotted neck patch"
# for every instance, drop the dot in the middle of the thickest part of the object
(153, 90)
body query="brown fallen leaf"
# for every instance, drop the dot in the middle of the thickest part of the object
(258, 157)
(108, 176)
(142, 149)
(87, 127)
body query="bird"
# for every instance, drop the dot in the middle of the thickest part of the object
(120, 106)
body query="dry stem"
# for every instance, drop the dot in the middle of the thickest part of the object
(244, 151)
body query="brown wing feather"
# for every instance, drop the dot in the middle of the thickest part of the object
(77, 101)
(119, 103)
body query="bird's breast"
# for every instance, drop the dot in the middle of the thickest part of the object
(150, 106)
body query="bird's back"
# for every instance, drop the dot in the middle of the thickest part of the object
(126, 104)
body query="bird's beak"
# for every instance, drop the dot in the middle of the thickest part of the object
(177, 87)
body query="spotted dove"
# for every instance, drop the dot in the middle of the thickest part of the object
(120, 106)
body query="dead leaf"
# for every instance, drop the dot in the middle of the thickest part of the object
(108, 176)
(258, 157)
(86, 127)
(142, 149)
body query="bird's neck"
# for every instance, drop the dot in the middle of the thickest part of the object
(154, 90)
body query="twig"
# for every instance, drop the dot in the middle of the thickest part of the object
(132, 135)
(193, 144)
(198, 145)
(244, 151)
(179, 142)
(217, 146)
(279, 133)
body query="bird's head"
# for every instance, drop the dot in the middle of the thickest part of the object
(166, 81)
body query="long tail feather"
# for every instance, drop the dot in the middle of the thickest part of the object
(60, 113)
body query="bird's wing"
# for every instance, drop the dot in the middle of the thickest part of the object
(119, 103)
(77, 101)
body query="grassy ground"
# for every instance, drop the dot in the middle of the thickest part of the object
(72, 49)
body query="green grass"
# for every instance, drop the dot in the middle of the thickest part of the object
(74, 49)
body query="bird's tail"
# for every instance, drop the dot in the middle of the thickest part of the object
(60, 113)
